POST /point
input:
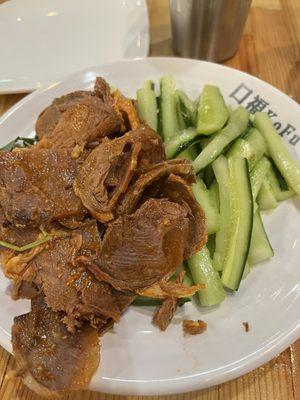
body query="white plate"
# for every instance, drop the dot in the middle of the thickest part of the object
(42, 41)
(136, 358)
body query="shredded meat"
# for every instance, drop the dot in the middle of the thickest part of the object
(50, 359)
(106, 173)
(36, 186)
(191, 327)
(139, 249)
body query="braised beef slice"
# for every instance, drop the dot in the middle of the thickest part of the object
(140, 249)
(84, 121)
(150, 183)
(106, 173)
(25, 290)
(36, 186)
(169, 180)
(176, 190)
(48, 119)
(16, 235)
(102, 90)
(50, 359)
(67, 284)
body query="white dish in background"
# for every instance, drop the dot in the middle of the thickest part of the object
(42, 41)
(136, 358)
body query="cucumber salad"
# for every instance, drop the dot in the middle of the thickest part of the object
(242, 168)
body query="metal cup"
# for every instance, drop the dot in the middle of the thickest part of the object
(207, 29)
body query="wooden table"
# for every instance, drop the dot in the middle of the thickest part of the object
(269, 49)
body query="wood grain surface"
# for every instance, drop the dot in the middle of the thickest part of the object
(269, 49)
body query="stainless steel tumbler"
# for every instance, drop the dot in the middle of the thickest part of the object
(207, 29)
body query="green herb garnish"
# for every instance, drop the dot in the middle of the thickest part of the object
(46, 237)
(19, 142)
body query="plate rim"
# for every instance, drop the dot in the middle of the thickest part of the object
(190, 382)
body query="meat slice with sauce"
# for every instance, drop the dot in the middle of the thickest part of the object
(67, 284)
(107, 172)
(84, 121)
(140, 249)
(150, 183)
(48, 118)
(50, 359)
(169, 180)
(36, 186)
(57, 269)
(176, 190)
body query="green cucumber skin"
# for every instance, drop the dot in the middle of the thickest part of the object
(168, 108)
(147, 106)
(258, 175)
(241, 223)
(202, 271)
(180, 142)
(203, 197)
(252, 146)
(189, 154)
(279, 193)
(287, 166)
(220, 167)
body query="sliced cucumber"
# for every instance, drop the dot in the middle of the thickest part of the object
(211, 245)
(252, 146)
(202, 271)
(266, 199)
(188, 108)
(260, 247)
(180, 142)
(279, 193)
(214, 194)
(189, 154)
(237, 124)
(246, 270)
(212, 111)
(203, 197)
(182, 124)
(168, 107)
(147, 106)
(288, 167)
(241, 219)
(258, 175)
(220, 167)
